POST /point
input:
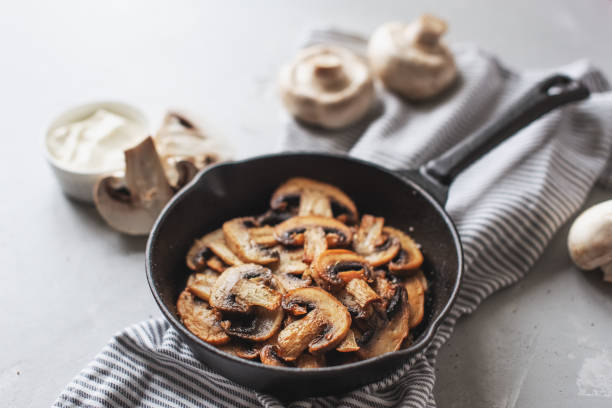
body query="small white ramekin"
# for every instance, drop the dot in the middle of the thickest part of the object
(76, 183)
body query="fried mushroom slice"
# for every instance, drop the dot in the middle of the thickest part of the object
(258, 325)
(416, 286)
(370, 242)
(242, 287)
(205, 248)
(409, 258)
(269, 356)
(243, 349)
(334, 268)
(310, 361)
(388, 330)
(314, 198)
(201, 283)
(241, 242)
(349, 344)
(201, 319)
(315, 233)
(325, 323)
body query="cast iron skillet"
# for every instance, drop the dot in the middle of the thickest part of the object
(406, 199)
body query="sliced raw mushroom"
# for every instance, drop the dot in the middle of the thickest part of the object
(349, 344)
(240, 241)
(327, 85)
(369, 241)
(409, 257)
(325, 323)
(258, 325)
(389, 330)
(315, 233)
(241, 287)
(201, 283)
(416, 286)
(131, 204)
(242, 348)
(200, 318)
(185, 148)
(313, 198)
(211, 245)
(310, 361)
(334, 268)
(269, 356)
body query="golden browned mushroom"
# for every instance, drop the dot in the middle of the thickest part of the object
(409, 257)
(240, 241)
(326, 85)
(131, 204)
(201, 283)
(349, 344)
(310, 361)
(416, 286)
(316, 233)
(242, 348)
(208, 246)
(370, 242)
(269, 356)
(388, 330)
(239, 288)
(411, 60)
(334, 268)
(201, 319)
(258, 325)
(313, 198)
(325, 323)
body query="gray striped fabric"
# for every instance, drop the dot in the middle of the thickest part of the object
(507, 207)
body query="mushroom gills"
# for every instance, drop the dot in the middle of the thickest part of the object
(241, 242)
(324, 326)
(239, 288)
(409, 257)
(258, 325)
(334, 267)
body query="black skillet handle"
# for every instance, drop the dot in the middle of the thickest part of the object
(547, 95)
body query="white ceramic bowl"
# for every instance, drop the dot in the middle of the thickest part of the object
(75, 183)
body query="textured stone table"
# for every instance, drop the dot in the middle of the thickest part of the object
(68, 283)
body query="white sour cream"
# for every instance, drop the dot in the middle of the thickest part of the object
(95, 144)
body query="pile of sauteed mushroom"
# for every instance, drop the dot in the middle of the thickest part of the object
(307, 284)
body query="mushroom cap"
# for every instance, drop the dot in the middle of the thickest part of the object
(370, 242)
(240, 241)
(131, 204)
(590, 238)
(416, 286)
(327, 85)
(315, 198)
(334, 268)
(409, 257)
(291, 231)
(258, 325)
(201, 319)
(241, 287)
(410, 59)
(324, 326)
(210, 244)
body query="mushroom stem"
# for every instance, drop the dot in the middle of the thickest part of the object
(329, 72)
(607, 272)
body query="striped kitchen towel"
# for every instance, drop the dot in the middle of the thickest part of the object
(507, 207)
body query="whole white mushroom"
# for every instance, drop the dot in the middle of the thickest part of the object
(590, 239)
(327, 85)
(410, 59)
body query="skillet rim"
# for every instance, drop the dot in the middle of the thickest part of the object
(405, 354)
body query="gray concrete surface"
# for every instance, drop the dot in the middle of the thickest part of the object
(68, 283)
